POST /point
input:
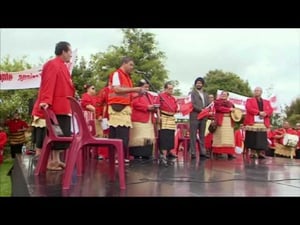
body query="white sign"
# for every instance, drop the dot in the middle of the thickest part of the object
(26, 79)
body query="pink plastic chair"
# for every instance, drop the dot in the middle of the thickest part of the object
(83, 139)
(53, 135)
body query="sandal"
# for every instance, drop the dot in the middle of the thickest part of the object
(58, 168)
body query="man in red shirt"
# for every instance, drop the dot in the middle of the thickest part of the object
(56, 85)
(119, 102)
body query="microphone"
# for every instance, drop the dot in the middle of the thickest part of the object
(140, 72)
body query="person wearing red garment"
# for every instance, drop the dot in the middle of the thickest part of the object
(166, 133)
(142, 134)
(119, 102)
(17, 128)
(297, 128)
(280, 149)
(56, 85)
(223, 138)
(3, 140)
(239, 136)
(102, 115)
(257, 121)
(88, 104)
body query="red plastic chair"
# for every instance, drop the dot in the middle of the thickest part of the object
(184, 138)
(83, 139)
(52, 135)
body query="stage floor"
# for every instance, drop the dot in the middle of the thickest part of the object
(211, 177)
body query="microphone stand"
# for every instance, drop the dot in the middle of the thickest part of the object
(158, 119)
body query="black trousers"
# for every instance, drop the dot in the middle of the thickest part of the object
(15, 149)
(120, 132)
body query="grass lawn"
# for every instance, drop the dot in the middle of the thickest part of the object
(5, 182)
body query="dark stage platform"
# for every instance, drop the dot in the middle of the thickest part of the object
(211, 177)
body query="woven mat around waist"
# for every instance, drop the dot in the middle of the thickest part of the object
(141, 134)
(122, 118)
(284, 150)
(224, 135)
(167, 122)
(257, 127)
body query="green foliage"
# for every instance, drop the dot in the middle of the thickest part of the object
(293, 119)
(12, 100)
(293, 112)
(294, 108)
(227, 81)
(5, 187)
(82, 75)
(139, 45)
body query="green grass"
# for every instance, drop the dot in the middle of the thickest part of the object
(5, 182)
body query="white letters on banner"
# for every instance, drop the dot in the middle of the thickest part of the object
(30, 78)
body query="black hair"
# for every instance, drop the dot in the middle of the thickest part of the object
(142, 82)
(167, 84)
(62, 46)
(199, 79)
(87, 86)
(126, 59)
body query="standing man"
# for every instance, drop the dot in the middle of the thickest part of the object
(199, 100)
(119, 102)
(257, 120)
(168, 108)
(56, 85)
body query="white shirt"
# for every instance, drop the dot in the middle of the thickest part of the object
(202, 97)
(116, 79)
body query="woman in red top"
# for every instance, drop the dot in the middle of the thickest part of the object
(142, 135)
(88, 104)
(223, 138)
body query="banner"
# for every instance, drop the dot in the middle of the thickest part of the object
(240, 101)
(30, 78)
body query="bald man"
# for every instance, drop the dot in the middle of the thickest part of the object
(257, 121)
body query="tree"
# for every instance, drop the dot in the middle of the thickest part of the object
(293, 111)
(139, 45)
(12, 100)
(227, 81)
(82, 75)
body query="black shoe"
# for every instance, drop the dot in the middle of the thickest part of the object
(204, 156)
(171, 155)
(231, 156)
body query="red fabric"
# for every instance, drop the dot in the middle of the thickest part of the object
(221, 107)
(86, 100)
(252, 110)
(168, 103)
(56, 85)
(204, 113)
(101, 103)
(140, 105)
(223, 150)
(239, 136)
(208, 141)
(103, 151)
(125, 81)
(271, 135)
(3, 139)
(282, 131)
(14, 125)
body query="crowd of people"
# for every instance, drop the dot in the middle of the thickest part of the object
(144, 121)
